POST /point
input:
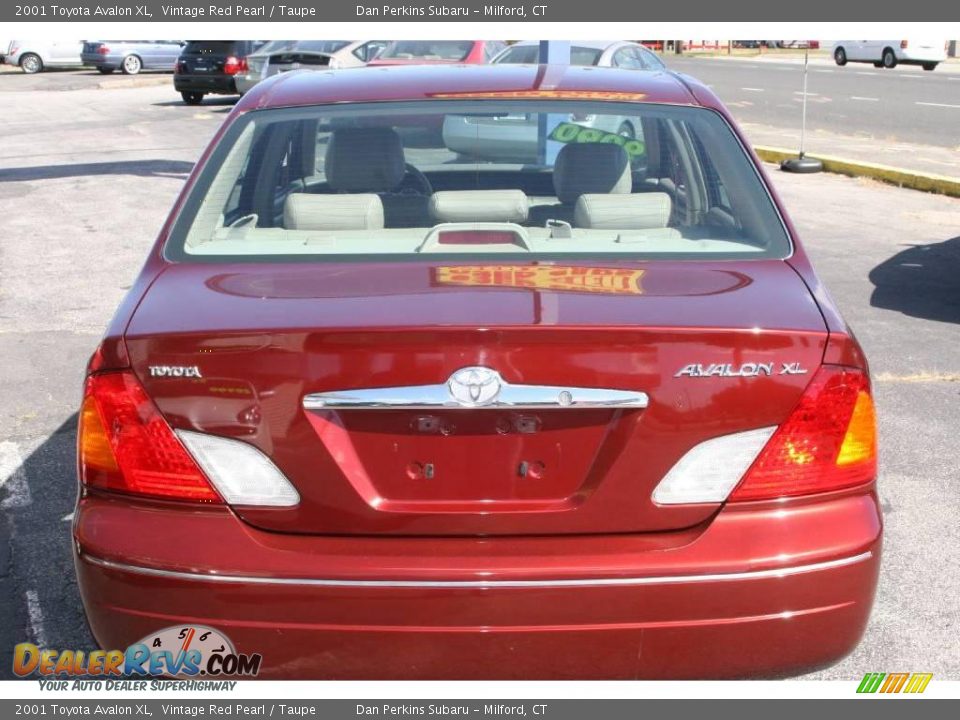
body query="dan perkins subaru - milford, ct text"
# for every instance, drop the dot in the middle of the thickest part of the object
(451, 11)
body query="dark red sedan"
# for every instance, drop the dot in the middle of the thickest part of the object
(378, 409)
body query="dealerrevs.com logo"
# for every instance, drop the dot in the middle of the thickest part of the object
(185, 652)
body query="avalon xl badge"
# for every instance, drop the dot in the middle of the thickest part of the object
(744, 370)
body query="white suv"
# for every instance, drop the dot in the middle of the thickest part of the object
(890, 53)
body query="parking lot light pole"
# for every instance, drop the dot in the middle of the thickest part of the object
(552, 52)
(802, 164)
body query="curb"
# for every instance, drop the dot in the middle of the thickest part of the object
(927, 182)
(135, 82)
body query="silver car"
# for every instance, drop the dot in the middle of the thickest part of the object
(33, 56)
(131, 56)
(518, 135)
(282, 55)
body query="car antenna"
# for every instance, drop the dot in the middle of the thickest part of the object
(802, 164)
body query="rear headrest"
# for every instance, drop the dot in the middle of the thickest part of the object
(364, 160)
(642, 211)
(303, 211)
(479, 206)
(583, 168)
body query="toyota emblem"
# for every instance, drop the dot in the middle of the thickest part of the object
(475, 386)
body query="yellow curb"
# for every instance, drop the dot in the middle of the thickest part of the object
(928, 182)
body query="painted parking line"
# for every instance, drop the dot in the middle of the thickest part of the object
(13, 478)
(865, 99)
(809, 94)
(943, 105)
(752, 89)
(35, 617)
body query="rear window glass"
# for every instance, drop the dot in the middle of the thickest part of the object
(323, 46)
(211, 47)
(480, 178)
(428, 50)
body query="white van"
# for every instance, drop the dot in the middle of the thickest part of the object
(890, 53)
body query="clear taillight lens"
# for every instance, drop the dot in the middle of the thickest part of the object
(240, 472)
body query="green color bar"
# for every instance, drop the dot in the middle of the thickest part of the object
(871, 682)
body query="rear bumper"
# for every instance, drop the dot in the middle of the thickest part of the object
(920, 57)
(101, 61)
(213, 84)
(761, 592)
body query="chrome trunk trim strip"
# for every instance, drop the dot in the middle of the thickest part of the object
(475, 388)
(771, 573)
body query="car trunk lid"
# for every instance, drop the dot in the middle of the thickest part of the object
(708, 345)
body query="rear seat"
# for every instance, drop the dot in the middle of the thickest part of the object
(371, 160)
(476, 206)
(641, 211)
(304, 211)
(584, 168)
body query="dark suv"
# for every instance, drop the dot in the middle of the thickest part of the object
(210, 66)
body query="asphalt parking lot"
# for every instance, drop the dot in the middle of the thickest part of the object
(87, 177)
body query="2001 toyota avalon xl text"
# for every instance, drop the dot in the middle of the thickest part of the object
(378, 409)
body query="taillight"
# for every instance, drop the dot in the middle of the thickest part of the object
(829, 441)
(235, 65)
(179, 67)
(126, 446)
(904, 44)
(103, 50)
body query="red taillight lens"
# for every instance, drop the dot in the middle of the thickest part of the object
(829, 442)
(103, 50)
(125, 445)
(235, 65)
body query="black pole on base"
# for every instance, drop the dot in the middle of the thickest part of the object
(802, 164)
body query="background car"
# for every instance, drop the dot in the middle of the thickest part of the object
(4, 49)
(795, 44)
(418, 52)
(210, 67)
(282, 55)
(490, 137)
(33, 56)
(889, 53)
(131, 56)
(601, 53)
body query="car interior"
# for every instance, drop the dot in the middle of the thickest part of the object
(387, 186)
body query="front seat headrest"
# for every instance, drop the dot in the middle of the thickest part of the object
(591, 168)
(365, 160)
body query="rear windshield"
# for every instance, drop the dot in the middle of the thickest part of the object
(210, 47)
(321, 46)
(479, 178)
(427, 50)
